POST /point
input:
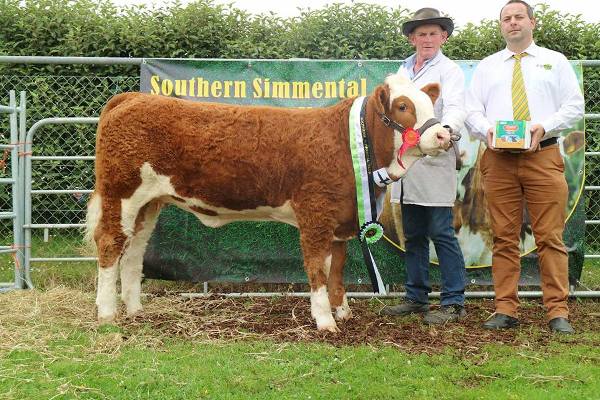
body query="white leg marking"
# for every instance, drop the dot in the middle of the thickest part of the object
(320, 309)
(152, 187)
(132, 263)
(327, 266)
(343, 312)
(106, 298)
(131, 276)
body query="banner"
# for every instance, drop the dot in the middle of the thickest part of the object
(182, 249)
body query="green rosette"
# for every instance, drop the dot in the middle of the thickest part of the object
(371, 232)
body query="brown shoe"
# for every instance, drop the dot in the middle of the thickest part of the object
(445, 314)
(405, 308)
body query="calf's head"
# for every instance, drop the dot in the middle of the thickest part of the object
(411, 109)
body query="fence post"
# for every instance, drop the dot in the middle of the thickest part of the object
(26, 254)
(14, 146)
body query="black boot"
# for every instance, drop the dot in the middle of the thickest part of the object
(501, 321)
(561, 325)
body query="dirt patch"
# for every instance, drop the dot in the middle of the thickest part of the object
(287, 319)
(35, 318)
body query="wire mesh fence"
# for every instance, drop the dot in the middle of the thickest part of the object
(591, 86)
(59, 96)
(84, 96)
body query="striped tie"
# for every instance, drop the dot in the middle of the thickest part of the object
(519, 97)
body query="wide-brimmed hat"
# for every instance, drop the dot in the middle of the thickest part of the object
(427, 16)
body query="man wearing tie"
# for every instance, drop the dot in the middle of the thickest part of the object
(530, 83)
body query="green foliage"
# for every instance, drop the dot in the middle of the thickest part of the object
(258, 38)
(202, 29)
(568, 34)
(360, 31)
(475, 42)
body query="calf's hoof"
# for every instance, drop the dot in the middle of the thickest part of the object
(327, 325)
(107, 313)
(134, 311)
(106, 319)
(343, 312)
(332, 329)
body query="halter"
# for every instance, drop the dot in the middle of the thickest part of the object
(410, 137)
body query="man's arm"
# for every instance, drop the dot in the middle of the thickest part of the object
(572, 106)
(453, 98)
(476, 121)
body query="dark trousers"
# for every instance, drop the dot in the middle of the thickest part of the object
(420, 224)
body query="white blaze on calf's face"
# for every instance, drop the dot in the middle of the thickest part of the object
(423, 102)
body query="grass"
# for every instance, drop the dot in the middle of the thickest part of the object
(51, 347)
(590, 275)
(267, 371)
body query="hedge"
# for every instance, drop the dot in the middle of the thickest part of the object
(204, 30)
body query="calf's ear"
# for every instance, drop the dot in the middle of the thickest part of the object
(382, 97)
(432, 90)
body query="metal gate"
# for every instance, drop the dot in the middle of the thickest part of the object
(14, 151)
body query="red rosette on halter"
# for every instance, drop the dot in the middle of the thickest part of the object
(410, 138)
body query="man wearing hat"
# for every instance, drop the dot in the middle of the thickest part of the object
(428, 191)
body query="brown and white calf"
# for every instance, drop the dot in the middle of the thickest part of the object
(226, 163)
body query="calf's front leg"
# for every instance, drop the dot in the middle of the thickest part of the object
(335, 284)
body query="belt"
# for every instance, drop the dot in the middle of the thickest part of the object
(548, 142)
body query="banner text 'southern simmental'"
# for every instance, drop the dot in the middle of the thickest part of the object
(258, 88)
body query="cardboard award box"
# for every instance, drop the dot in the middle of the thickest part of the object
(512, 135)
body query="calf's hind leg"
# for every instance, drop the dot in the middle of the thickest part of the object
(132, 260)
(110, 241)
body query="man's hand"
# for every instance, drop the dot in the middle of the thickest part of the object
(490, 141)
(443, 137)
(537, 132)
(448, 131)
(392, 176)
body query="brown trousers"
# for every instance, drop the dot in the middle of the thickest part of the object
(537, 178)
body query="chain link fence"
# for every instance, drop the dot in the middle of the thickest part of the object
(84, 96)
(59, 96)
(591, 87)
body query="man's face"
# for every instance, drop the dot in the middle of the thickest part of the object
(515, 24)
(427, 40)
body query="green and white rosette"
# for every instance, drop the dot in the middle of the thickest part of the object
(370, 231)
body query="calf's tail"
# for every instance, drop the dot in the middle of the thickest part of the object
(92, 218)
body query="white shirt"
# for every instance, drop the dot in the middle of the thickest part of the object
(408, 67)
(431, 181)
(553, 92)
(449, 107)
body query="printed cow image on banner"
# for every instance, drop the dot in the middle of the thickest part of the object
(471, 221)
(182, 248)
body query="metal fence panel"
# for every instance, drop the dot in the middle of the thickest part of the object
(64, 96)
